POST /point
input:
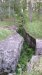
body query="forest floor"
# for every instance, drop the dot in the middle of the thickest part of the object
(34, 28)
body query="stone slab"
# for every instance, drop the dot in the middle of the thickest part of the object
(39, 46)
(10, 50)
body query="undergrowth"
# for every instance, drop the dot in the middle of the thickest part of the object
(26, 54)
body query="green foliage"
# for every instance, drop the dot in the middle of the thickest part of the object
(26, 53)
(17, 6)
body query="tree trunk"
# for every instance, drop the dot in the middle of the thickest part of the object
(30, 11)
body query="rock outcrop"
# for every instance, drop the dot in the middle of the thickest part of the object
(39, 46)
(10, 50)
(34, 67)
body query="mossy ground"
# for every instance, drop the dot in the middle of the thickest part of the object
(34, 28)
(4, 33)
(6, 23)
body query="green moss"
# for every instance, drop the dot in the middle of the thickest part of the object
(34, 28)
(4, 33)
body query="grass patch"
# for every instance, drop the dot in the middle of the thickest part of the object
(4, 33)
(6, 23)
(34, 28)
